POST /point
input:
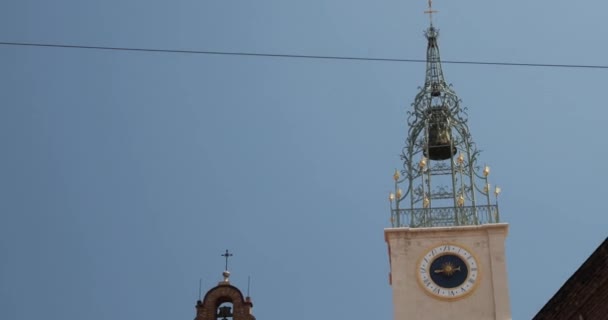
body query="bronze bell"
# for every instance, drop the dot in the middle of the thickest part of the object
(224, 313)
(435, 90)
(439, 146)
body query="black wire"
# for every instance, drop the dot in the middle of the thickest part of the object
(298, 56)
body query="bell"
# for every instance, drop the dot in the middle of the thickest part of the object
(435, 90)
(439, 145)
(224, 313)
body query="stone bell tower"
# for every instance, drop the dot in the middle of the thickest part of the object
(446, 243)
(224, 301)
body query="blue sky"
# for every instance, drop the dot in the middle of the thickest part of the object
(125, 175)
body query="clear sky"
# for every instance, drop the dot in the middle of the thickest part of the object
(125, 175)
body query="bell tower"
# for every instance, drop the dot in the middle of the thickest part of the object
(224, 301)
(446, 243)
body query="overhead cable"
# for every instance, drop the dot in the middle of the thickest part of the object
(295, 56)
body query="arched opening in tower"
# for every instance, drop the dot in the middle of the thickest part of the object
(225, 311)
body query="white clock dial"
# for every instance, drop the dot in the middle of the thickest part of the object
(448, 271)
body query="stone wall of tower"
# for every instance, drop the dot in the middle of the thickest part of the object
(489, 300)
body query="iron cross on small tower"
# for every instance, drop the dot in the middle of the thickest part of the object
(227, 255)
(430, 11)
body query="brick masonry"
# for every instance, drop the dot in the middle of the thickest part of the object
(585, 295)
(224, 292)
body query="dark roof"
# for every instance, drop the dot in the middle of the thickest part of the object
(585, 295)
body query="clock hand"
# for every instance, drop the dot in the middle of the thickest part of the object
(452, 270)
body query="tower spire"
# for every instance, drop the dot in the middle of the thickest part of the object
(443, 184)
(434, 81)
(430, 11)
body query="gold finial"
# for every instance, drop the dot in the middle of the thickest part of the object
(460, 201)
(422, 163)
(430, 11)
(497, 191)
(396, 175)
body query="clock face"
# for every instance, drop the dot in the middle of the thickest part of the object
(448, 271)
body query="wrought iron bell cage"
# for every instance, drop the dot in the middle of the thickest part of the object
(442, 183)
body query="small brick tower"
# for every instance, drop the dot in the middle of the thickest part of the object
(224, 301)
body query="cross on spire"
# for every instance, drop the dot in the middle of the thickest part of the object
(430, 11)
(227, 255)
